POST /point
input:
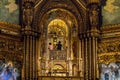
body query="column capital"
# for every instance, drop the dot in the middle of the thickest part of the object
(93, 33)
(90, 33)
(30, 32)
(82, 35)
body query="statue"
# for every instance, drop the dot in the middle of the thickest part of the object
(27, 14)
(94, 14)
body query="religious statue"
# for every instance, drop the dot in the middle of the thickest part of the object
(93, 14)
(27, 14)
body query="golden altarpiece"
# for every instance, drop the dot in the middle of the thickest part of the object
(87, 48)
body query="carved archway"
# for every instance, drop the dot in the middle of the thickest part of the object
(74, 7)
(70, 14)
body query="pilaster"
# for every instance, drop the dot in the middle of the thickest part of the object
(30, 36)
(84, 51)
(92, 54)
(92, 35)
(89, 40)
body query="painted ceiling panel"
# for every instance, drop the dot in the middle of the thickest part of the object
(111, 12)
(9, 11)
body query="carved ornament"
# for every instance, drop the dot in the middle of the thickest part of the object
(9, 29)
(109, 52)
(106, 58)
(11, 50)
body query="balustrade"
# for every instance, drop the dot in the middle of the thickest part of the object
(58, 54)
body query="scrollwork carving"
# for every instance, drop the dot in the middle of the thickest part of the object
(109, 52)
(11, 50)
(107, 58)
(109, 47)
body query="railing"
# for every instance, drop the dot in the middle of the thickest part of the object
(58, 54)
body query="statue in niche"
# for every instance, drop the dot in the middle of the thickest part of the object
(28, 14)
(94, 14)
(74, 47)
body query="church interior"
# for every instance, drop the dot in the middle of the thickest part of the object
(59, 40)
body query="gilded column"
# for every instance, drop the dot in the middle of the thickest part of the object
(30, 36)
(30, 57)
(86, 58)
(89, 57)
(93, 34)
(80, 60)
(94, 61)
(84, 51)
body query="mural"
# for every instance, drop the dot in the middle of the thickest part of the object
(9, 11)
(8, 71)
(111, 12)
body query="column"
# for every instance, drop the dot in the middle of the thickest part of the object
(30, 57)
(93, 34)
(86, 58)
(30, 36)
(84, 51)
(89, 59)
(93, 62)
(80, 62)
(92, 54)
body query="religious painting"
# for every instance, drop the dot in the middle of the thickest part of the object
(110, 71)
(9, 11)
(9, 71)
(111, 12)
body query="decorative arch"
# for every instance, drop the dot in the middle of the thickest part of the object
(44, 7)
(71, 28)
(68, 18)
(70, 14)
(61, 25)
(58, 67)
